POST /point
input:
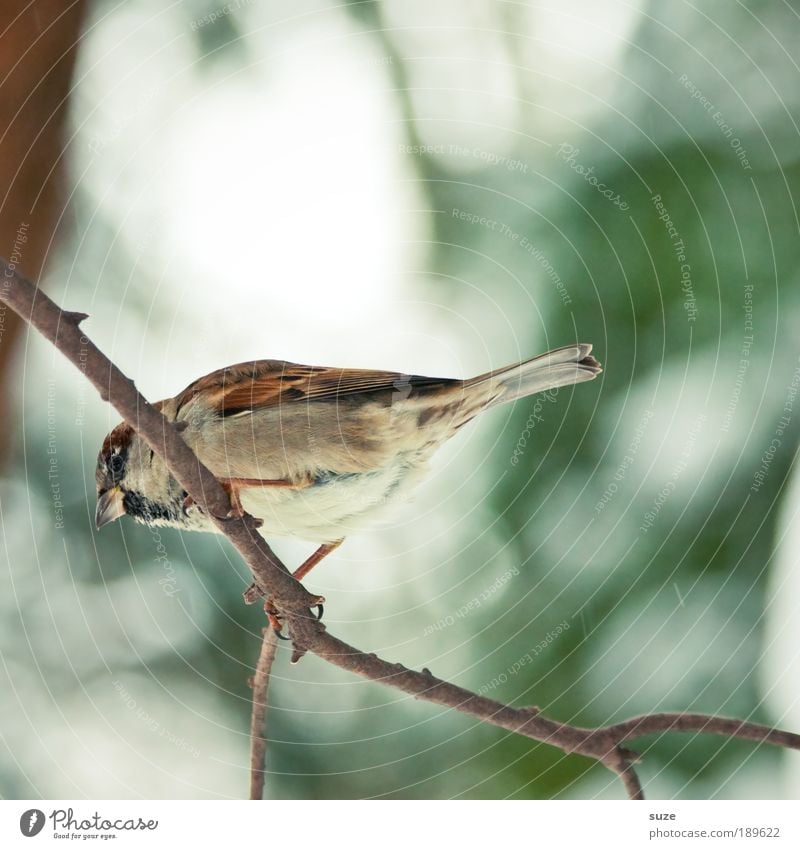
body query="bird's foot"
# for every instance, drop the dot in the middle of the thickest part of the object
(274, 617)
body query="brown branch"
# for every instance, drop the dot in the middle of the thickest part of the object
(258, 733)
(308, 634)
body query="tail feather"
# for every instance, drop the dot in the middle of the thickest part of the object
(560, 367)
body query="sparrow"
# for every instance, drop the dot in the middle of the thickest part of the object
(313, 452)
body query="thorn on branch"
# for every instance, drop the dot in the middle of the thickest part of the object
(250, 522)
(297, 653)
(75, 318)
(630, 755)
(252, 594)
(258, 737)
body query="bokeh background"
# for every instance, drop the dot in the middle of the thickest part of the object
(436, 188)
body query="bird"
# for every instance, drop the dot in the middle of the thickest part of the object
(312, 452)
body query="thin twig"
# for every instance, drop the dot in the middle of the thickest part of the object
(631, 781)
(658, 723)
(258, 720)
(273, 580)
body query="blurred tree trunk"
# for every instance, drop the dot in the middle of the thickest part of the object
(38, 46)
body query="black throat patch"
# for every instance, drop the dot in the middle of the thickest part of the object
(148, 511)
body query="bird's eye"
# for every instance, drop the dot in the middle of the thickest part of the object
(116, 464)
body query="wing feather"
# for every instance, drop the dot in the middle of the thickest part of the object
(273, 420)
(266, 383)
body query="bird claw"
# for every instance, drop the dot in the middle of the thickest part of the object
(274, 617)
(274, 620)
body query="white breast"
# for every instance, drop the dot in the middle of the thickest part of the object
(333, 507)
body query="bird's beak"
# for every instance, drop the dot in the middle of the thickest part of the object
(109, 506)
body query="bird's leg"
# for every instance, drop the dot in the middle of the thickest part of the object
(234, 485)
(320, 554)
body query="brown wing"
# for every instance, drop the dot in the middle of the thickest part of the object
(266, 383)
